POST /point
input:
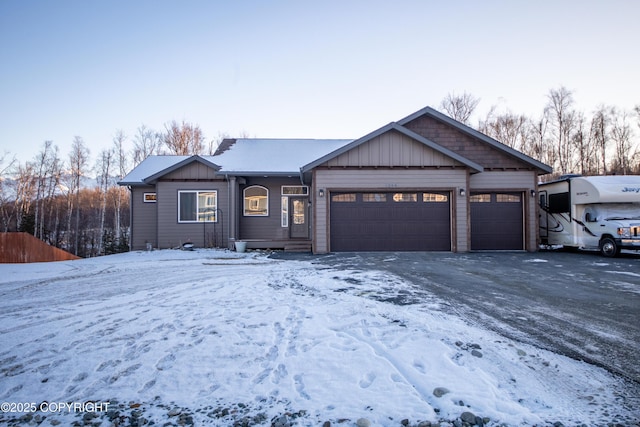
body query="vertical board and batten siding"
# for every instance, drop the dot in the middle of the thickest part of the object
(391, 149)
(333, 180)
(514, 181)
(265, 227)
(144, 219)
(171, 233)
(193, 171)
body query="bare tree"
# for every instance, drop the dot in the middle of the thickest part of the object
(146, 143)
(460, 107)
(622, 134)
(509, 128)
(78, 160)
(6, 164)
(562, 120)
(47, 167)
(584, 146)
(122, 166)
(183, 139)
(24, 195)
(104, 167)
(600, 133)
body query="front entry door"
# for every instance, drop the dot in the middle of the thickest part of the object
(298, 217)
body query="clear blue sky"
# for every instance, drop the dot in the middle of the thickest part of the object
(314, 69)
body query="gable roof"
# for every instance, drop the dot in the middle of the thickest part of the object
(476, 134)
(392, 126)
(154, 167)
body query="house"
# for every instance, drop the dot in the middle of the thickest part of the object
(424, 183)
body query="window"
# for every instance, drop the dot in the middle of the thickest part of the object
(374, 197)
(434, 197)
(480, 198)
(197, 206)
(405, 197)
(508, 198)
(559, 203)
(256, 201)
(149, 197)
(295, 190)
(346, 197)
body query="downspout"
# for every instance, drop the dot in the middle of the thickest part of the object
(130, 218)
(226, 176)
(231, 199)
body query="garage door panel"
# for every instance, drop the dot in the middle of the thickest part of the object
(390, 222)
(497, 221)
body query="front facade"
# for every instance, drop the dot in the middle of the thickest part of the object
(424, 183)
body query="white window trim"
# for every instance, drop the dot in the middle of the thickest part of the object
(180, 221)
(150, 200)
(244, 201)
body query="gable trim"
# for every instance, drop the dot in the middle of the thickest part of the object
(476, 134)
(398, 128)
(196, 158)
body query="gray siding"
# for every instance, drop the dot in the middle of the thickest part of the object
(192, 172)
(392, 149)
(171, 233)
(144, 219)
(265, 227)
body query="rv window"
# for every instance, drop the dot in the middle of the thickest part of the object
(559, 203)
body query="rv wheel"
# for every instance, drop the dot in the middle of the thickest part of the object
(608, 247)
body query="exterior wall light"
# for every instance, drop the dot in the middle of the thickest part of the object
(462, 192)
(533, 192)
(321, 192)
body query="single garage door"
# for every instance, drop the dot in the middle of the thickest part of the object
(496, 221)
(390, 221)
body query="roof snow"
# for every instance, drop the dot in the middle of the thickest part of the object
(276, 156)
(248, 157)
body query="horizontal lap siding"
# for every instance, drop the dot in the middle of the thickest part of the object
(388, 180)
(265, 227)
(144, 219)
(171, 233)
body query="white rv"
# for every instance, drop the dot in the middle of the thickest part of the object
(591, 212)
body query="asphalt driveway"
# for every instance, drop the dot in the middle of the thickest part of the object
(580, 305)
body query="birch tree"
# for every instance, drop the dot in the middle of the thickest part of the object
(562, 120)
(621, 135)
(122, 166)
(146, 143)
(6, 165)
(103, 168)
(78, 161)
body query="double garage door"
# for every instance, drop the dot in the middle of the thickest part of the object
(421, 221)
(391, 221)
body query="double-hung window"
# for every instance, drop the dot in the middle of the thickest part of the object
(197, 206)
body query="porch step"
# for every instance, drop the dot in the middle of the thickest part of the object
(297, 247)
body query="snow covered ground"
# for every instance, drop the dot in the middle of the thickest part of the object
(212, 337)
